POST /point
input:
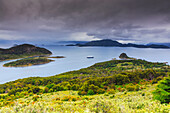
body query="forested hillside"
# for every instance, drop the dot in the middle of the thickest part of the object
(111, 78)
(22, 51)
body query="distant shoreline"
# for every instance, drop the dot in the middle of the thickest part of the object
(111, 43)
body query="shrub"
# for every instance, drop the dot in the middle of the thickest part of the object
(68, 87)
(119, 89)
(111, 91)
(57, 88)
(51, 90)
(162, 92)
(74, 99)
(82, 93)
(46, 89)
(57, 98)
(49, 86)
(90, 92)
(35, 98)
(94, 88)
(155, 80)
(106, 94)
(66, 98)
(131, 87)
(36, 90)
(137, 87)
(12, 92)
(30, 91)
(74, 87)
(123, 89)
(100, 91)
(113, 86)
(112, 96)
(143, 94)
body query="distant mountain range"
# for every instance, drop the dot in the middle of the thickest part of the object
(24, 49)
(111, 43)
(71, 42)
(166, 44)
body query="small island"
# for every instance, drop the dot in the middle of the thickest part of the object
(57, 57)
(28, 62)
(125, 57)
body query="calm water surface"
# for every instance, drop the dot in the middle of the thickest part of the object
(76, 59)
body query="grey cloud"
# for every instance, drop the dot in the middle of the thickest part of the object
(116, 19)
(153, 31)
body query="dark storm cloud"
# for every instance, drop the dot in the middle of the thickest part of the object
(116, 19)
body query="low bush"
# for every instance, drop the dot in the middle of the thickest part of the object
(162, 92)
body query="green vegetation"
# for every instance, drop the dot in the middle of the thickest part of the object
(116, 85)
(57, 57)
(123, 56)
(22, 51)
(28, 62)
(71, 102)
(162, 91)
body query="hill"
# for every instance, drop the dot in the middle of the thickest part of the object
(123, 56)
(166, 44)
(22, 51)
(111, 43)
(105, 42)
(116, 85)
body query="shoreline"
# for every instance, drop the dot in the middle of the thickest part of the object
(72, 70)
(31, 61)
(24, 57)
(28, 65)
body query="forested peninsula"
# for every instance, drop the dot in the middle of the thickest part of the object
(28, 62)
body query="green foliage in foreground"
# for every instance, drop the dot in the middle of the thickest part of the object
(162, 91)
(71, 102)
(28, 62)
(102, 78)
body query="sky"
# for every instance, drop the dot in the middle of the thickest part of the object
(42, 21)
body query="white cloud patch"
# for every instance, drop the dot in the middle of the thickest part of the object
(82, 36)
(126, 41)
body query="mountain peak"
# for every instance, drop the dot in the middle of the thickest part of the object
(104, 42)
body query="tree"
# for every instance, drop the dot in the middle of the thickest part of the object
(46, 89)
(94, 88)
(50, 85)
(36, 90)
(162, 92)
(90, 92)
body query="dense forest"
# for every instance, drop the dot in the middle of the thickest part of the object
(101, 75)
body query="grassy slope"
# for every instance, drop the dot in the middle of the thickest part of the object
(130, 102)
(135, 101)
